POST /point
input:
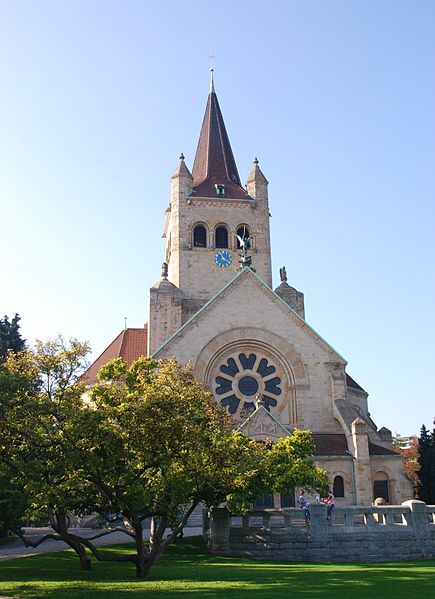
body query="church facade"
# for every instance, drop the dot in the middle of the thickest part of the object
(250, 345)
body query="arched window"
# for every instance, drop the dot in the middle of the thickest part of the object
(244, 233)
(380, 487)
(338, 488)
(199, 237)
(221, 237)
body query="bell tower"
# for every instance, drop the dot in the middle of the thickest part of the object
(210, 216)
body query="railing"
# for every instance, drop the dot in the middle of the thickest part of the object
(354, 532)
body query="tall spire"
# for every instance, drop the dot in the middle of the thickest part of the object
(214, 168)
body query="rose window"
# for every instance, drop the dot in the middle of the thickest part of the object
(243, 378)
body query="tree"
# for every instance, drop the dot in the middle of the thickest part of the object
(426, 473)
(411, 465)
(10, 337)
(39, 395)
(147, 442)
(12, 501)
(12, 498)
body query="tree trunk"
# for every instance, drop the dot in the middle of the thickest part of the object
(85, 562)
(143, 567)
(142, 561)
(59, 521)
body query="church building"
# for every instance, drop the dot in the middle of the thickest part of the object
(250, 345)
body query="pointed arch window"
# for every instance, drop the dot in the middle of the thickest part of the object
(199, 236)
(244, 233)
(221, 237)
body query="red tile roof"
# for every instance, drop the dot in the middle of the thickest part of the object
(130, 344)
(336, 444)
(379, 450)
(330, 444)
(214, 162)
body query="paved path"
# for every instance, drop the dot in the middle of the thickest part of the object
(17, 549)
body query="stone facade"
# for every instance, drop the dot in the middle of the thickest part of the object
(247, 341)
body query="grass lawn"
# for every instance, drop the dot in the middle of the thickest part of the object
(187, 568)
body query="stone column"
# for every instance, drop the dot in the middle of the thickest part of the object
(318, 547)
(319, 523)
(220, 522)
(363, 479)
(418, 517)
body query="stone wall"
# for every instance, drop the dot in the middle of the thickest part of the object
(355, 534)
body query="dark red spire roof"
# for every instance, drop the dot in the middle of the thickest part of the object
(214, 162)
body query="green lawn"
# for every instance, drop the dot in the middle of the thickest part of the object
(186, 568)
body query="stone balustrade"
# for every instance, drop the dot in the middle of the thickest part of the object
(355, 533)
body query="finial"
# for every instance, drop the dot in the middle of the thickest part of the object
(125, 323)
(256, 160)
(211, 80)
(181, 156)
(283, 274)
(260, 401)
(165, 271)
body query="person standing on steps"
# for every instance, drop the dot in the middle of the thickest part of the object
(305, 505)
(329, 502)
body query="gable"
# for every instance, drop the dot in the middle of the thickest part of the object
(245, 302)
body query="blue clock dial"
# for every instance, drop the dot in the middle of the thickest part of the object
(223, 258)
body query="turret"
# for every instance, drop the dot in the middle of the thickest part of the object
(181, 181)
(257, 184)
(165, 311)
(291, 296)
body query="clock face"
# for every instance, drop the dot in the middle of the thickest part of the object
(223, 258)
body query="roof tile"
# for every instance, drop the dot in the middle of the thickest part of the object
(214, 162)
(130, 344)
(330, 444)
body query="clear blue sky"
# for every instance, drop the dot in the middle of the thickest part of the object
(337, 100)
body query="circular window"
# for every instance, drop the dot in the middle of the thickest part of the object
(248, 385)
(242, 378)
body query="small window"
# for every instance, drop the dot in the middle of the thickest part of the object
(199, 237)
(262, 502)
(221, 237)
(220, 189)
(243, 233)
(338, 488)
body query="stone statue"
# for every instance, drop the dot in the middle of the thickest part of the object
(245, 245)
(164, 270)
(283, 274)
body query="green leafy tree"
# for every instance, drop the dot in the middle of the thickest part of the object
(426, 472)
(12, 504)
(10, 337)
(147, 442)
(39, 395)
(12, 497)
(12, 501)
